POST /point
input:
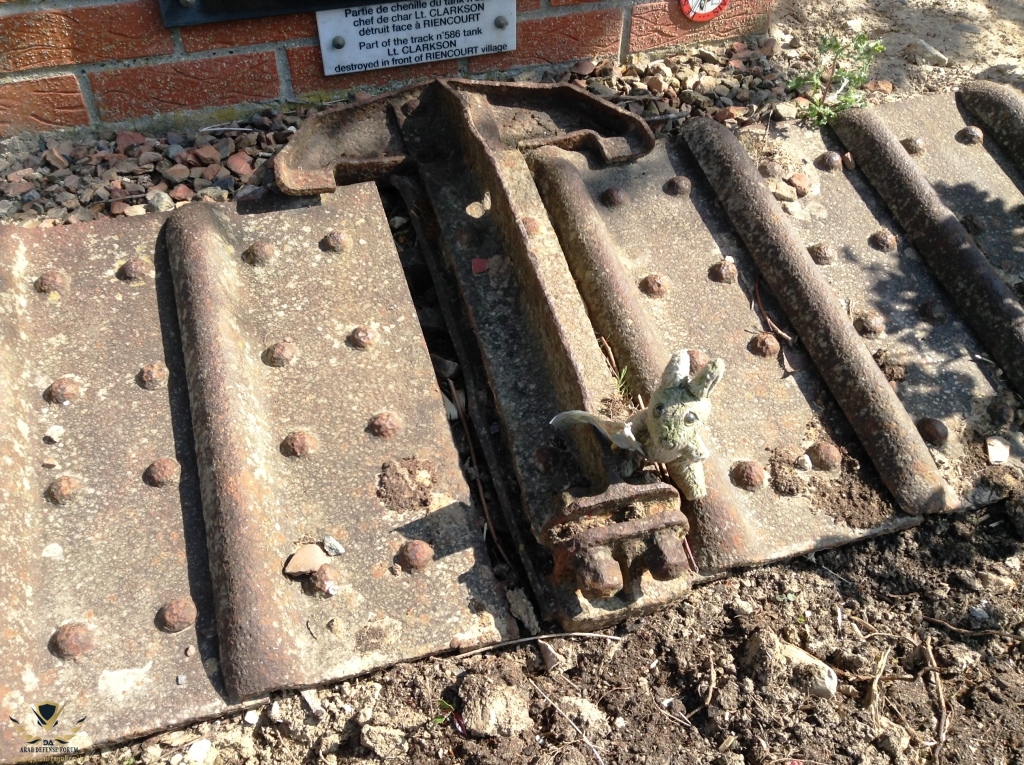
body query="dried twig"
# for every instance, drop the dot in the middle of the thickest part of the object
(665, 712)
(533, 638)
(476, 471)
(608, 352)
(941, 737)
(768, 319)
(973, 633)
(225, 127)
(873, 697)
(575, 727)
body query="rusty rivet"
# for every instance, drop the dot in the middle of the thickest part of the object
(679, 186)
(532, 225)
(830, 161)
(654, 285)
(822, 254)
(153, 376)
(933, 431)
(299, 444)
(415, 555)
(970, 135)
(63, 490)
(870, 324)
(336, 241)
(598, 574)
(698, 360)
(259, 254)
(132, 270)
(63, 391)
(614, 197)
(933, 311)
(162, 472)
(747, 474)
(280, 354)
(883, 240)
(52, 280)
(764, 344)
(326, 580)
(724, 272)
(913, 145)
(544, 458)
(825, 456)
(385, 425)
(71, 640)
(1000, 413)
(176, 615)
(362, 337)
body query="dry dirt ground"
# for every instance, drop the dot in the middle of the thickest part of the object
(923, 629)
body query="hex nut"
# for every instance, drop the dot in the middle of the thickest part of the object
(830, 161)
(64, 391)
(415, 555)
(933, 431)
(280, 354)
(71, 640)
(153, 376)
(336, 241)
(883, 240)
(723, 272)
(52, 280)
(825, 456)
(326, 580)
(176, 615)
(654, 285)
(300, 443)
(913, 145)
(747, 475)
(63, 490)
(679, 186)
(822, 254)
(870, 324)
(970, 135)
(260, 254)
(385, 425)
(764, 344)
(132, 270)
(362, 337)
(614, 197)
(162, 472)
(933, 311)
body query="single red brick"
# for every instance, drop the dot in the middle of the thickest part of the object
(660, 25)
(55, 102)
(558, 39)
(308, 73)
(143, 90)
(80, 35)
(231, 34)
(555, 3)
(527, 5)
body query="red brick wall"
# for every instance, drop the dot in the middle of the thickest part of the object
(114, 61)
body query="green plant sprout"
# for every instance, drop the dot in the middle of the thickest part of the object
(446, 712)
(621, 385)
(842, 69)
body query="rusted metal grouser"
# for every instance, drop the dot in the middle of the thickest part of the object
(986, 301)
(869, 402)
(1001, 109)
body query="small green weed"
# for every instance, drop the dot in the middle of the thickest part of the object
(446, 712)
(842, 69)
(621, 385)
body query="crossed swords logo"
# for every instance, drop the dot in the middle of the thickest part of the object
(47, 715)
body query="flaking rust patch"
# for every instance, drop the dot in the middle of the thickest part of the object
(404, 485)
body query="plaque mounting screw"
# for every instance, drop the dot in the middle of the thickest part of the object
(338, 42)
(501, 22)
(186, 3)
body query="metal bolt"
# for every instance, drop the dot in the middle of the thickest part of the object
(913, 145)
(598, 574)
(698, 360)
(933, 431)
(176, 615)
(338, 42)
(385, 425)
(822, 254)
(666, 557)
(63, 490)
(299, 444)
(679, 186)
(52, 280)
(259, 254)
(501, 22)
(825, 456)
(830, 161)
(764, 344)
(724, 272)
(748, 475)
(162, 472)
(153, 376)
(280, 354)
(71, 640)
(883, 240)
(132, 270)
(336, 241)
(654, 285)
(933, 311)
(415, 555)
(614, 197)
(870, 324)
(362, 337)
(63, 391)
(970, 135)
(327, 580)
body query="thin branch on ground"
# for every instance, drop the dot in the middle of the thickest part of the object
(974, 633)
(941, 726)
(568, 719)
(768, 319)
(665, 712)
(476, 471)
(225, 127)
(873, 697)
(508, 643)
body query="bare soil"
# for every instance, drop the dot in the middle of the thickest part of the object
(924, 629)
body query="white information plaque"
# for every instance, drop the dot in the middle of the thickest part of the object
(413, 32)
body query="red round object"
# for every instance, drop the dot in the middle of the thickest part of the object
(702, 10)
